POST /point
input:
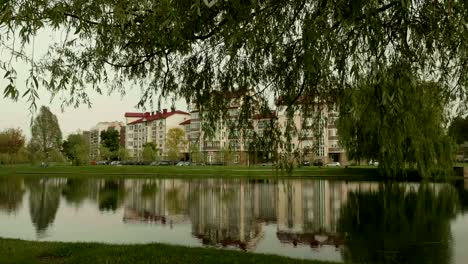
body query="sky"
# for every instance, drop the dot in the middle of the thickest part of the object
(104, 107)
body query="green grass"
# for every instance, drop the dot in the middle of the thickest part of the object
(19, 251)
(189, 171)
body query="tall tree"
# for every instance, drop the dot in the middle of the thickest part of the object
(175, 143)
(110, 139)
(46, 131)
(398, 120)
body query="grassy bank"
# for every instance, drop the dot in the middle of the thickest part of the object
(189, 171)
(18, 251)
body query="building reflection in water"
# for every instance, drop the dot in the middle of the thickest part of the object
(233, 212)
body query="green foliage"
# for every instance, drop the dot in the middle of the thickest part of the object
(175, 143)
(194, 152)
(395, 118)
(76, 149)
(11, 141)
(397, 223)
(458, 129)
(150, 152)
(243, 50)
(104, 153)
(110, 139)
(46, 133)
(123, 154)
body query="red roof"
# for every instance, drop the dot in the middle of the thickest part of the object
(157, 116)
(134, 115)
(186, 122)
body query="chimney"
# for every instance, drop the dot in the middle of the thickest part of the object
(152, 113)
(164, 111)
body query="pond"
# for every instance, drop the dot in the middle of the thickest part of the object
(343, 221)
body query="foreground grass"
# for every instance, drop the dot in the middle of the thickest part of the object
(189, 171)
(18, 251)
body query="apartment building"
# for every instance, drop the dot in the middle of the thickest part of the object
(151, 127)
(95, 136)
(315, 135)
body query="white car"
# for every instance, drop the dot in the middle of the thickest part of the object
(115, 163)
(333, 164)
(373, 163)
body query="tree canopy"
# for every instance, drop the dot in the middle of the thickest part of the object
(396, 119)
(11, 140)
(150, 152)
(46, 133)
(110, 139)
(76, 148)
(175, 143)
(201, 51)
(458, 129)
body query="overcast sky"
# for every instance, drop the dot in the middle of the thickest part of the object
(104, 108)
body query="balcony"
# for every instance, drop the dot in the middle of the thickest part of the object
(335, 150)
(215, 145)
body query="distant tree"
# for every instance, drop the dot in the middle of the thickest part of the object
(46, 131)
(458, 129)
(11, 140)
(150, 152)
(35, 155)
(195, 155)
(104, 153)
(227, 155)
(175, 142)
(123, 153)
(110, 139)
(76, 149)
(56, 156)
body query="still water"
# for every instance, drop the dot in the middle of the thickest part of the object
(339, 221)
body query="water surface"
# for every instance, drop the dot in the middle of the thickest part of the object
(302, 218)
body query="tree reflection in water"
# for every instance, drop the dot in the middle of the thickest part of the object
(111, 195)
(11, 194)
(76, 191)
(399, 224)
(44, 200)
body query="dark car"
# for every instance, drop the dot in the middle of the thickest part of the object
(318, 162)
(164, 163)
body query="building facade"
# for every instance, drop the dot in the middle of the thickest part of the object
(310, 137)
(151, 127)
(95, 136)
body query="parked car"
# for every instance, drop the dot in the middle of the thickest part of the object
(318, 162)
(102, 162)
(164, 163)
(267, 164)
(115, 163)
(373, 163)
(333, 164)
(306, 163)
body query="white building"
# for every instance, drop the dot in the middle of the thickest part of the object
(95, 136)
(151, 127)
(314, 138)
